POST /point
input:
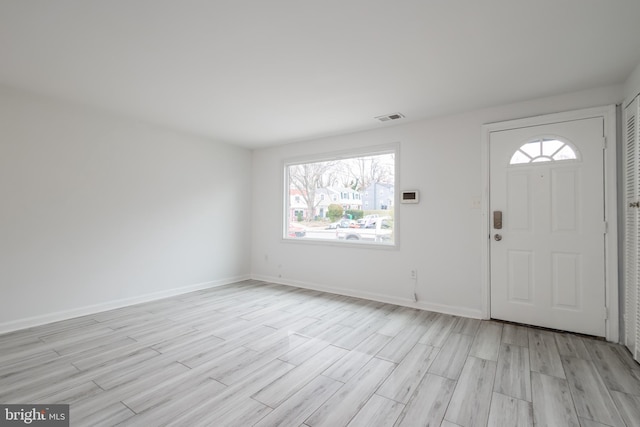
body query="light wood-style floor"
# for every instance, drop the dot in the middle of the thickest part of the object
(254, 353)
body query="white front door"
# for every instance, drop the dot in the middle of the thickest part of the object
(547, 259)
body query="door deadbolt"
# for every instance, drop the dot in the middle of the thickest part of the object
(497, 220)
(497, 237)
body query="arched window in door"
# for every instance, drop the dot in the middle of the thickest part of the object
(544, 150)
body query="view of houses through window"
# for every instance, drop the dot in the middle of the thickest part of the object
(347, 199)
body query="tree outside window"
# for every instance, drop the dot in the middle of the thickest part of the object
(364, 183)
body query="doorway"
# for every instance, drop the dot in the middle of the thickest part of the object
(548, 230)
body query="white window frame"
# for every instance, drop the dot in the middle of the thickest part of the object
(532, 160)
(392, 148)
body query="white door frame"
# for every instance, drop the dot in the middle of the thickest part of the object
(608, 113)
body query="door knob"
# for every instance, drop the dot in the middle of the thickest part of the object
(497, 237)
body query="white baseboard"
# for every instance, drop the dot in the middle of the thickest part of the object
(30, 322)
(405, 302)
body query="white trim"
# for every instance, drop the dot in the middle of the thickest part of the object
(29, 322)
(608, 113)
(388, 299)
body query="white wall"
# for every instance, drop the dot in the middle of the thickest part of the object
(97, 211)
(441, 236)
(632, 85)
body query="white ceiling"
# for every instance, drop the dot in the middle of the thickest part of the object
(264, 72)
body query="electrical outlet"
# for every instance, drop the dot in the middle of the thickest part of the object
(413, 274)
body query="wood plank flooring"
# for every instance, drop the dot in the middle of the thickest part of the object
(256, 353)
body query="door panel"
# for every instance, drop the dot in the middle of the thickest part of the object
(520, 276)
(547, 266)
(566, 283)
(565, 192)
(519, 202)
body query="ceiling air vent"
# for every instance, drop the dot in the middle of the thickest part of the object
(392, 116)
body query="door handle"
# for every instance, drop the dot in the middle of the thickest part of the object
(497, 237)
(497, 220)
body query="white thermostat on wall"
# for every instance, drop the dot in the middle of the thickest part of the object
(411, 196)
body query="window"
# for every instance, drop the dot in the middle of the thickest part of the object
(352, 178)
(543, 150)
